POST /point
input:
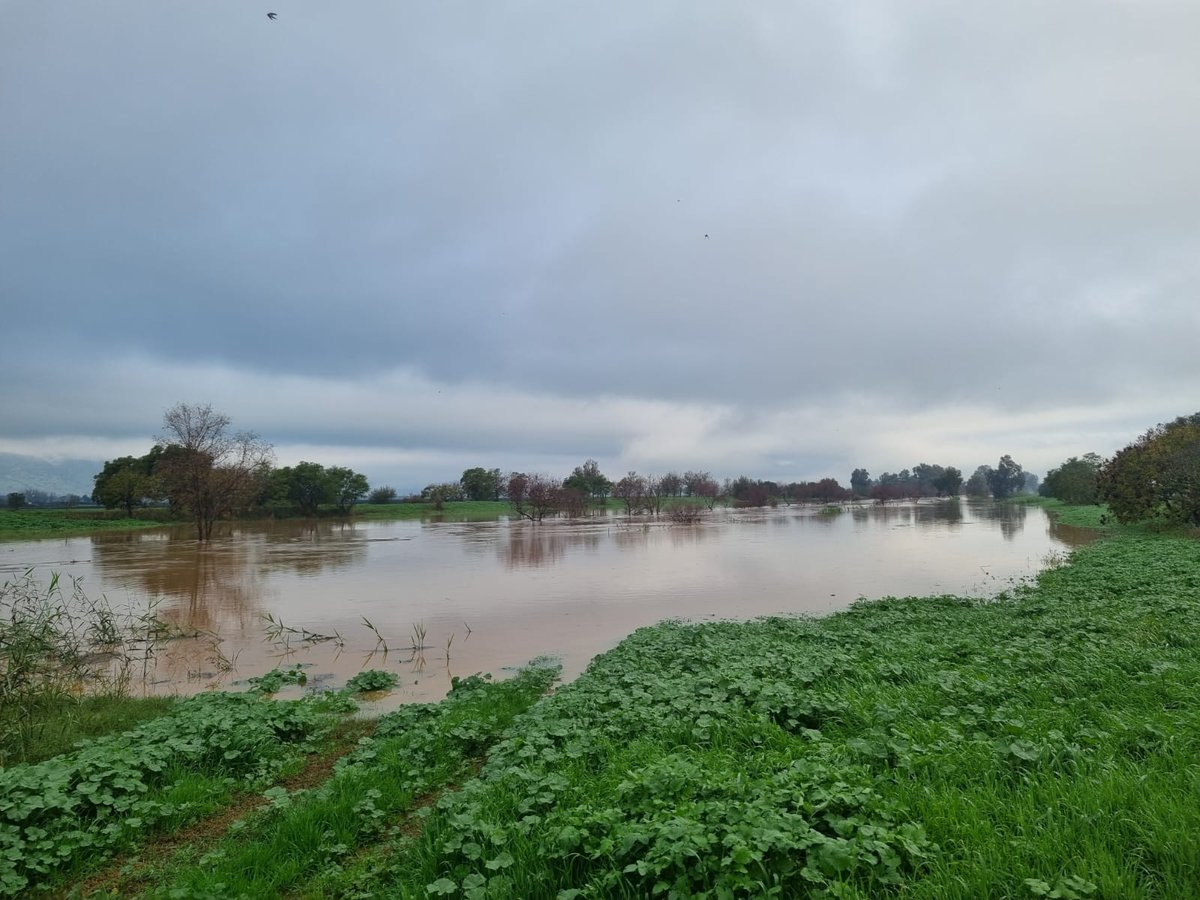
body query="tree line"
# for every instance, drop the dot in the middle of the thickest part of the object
(1155, 478)
(205, 471)
(534, 496)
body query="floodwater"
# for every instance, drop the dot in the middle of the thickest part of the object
(490, 596)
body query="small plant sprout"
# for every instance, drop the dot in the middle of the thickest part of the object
(449, 641)
(379, 641)
(418, 636)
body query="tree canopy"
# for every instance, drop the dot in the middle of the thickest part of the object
(1157, 476)
(1075, 481)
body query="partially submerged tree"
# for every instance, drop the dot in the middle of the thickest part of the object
(206, 470)
(949, 483)
(1006, 479)
(533, 497)
(631, 490)
(589, 481)
(978, 484)
(861, 483)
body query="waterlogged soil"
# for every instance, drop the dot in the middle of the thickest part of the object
(489, 596)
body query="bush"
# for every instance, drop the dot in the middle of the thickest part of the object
(382, 495)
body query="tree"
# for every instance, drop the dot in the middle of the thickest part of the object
(533, 496)
(1157, 476)
(305, 486)
(1006, 479)
(128, 481)
(346, 487)
(206, 471)
(671, 484)
(706, 486)
(1075, 481)
(860, 482)
(16, 500)
(382, 495)
(481, 484)
(978, 484)
(630, 490)
(652, 497)
(949, 483)
(441, 494)
(588, 480)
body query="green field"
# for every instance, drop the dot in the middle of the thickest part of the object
(1041, 743)
(28, 524)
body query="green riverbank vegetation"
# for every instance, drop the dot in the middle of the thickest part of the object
(1041, 743)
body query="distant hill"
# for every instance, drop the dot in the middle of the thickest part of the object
(68, 476)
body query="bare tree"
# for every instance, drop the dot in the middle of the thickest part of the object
(206, 470)
(631, 490)
(533, 496)
(707, 487)
(652, 497)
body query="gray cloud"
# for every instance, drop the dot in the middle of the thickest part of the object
(935, 207)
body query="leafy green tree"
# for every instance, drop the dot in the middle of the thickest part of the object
(346, 487)
(16, 500)
(128, 481)
(860, 482)
(441, 494)
(305, 486)
(1006, 479)
(949, 483)
(1075, 481)
(481, 484)
(979, 484)
(382, 495)
(588, 480)
(1157, 476)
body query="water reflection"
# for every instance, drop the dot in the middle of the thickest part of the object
(1009, 516)
(492, 594)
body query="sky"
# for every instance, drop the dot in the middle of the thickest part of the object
(778, 238)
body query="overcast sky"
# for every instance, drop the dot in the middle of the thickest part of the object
(777, 237)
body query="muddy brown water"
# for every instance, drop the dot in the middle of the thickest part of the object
(490, 596)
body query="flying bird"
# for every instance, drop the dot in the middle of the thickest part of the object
(271, 16)
(706, 237)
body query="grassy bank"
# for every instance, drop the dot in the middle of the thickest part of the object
(1094, 516)
(1045, 742)
(30, 524)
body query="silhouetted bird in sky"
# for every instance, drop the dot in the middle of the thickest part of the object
(271, 16)
(706, 237)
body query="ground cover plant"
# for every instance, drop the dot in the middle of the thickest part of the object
(413, 750)
(27, 524)
(73, 810)
(1041, 743)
